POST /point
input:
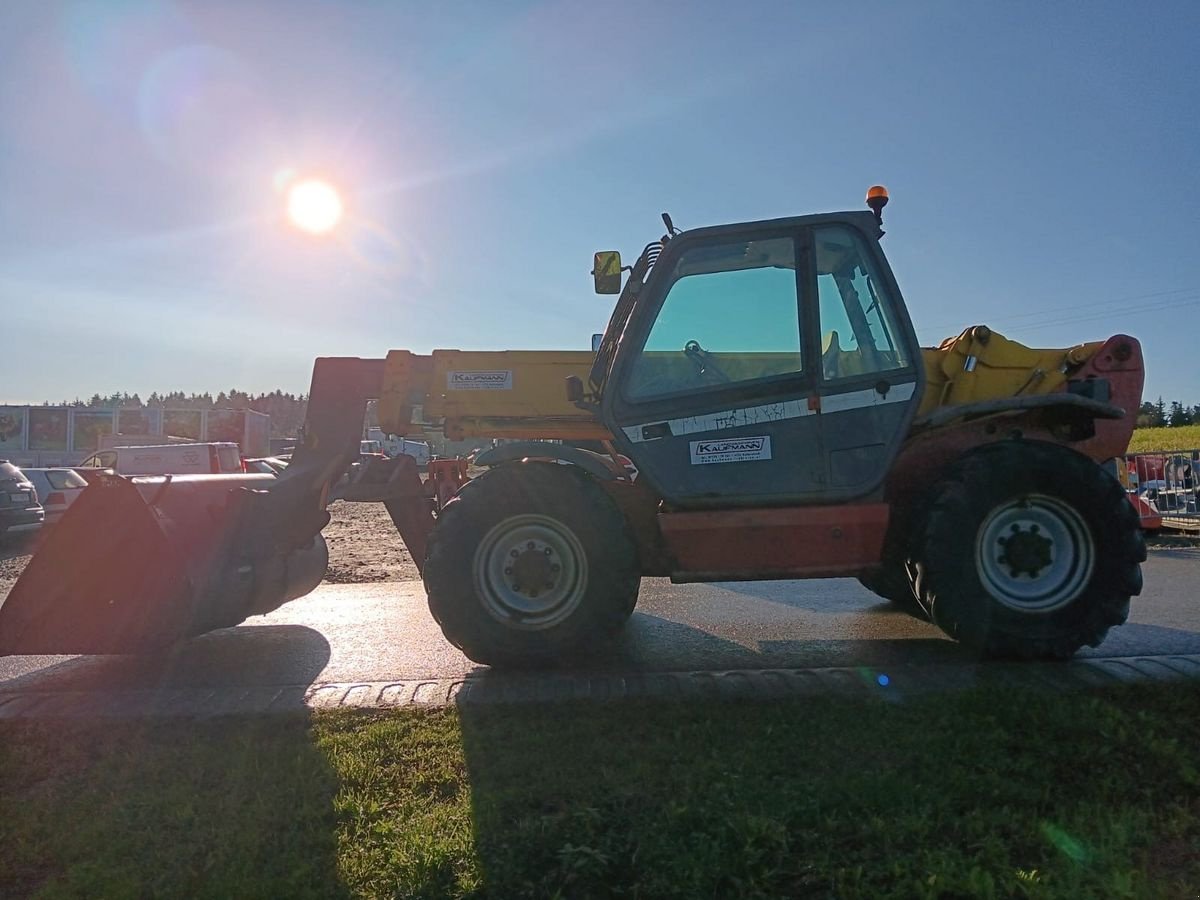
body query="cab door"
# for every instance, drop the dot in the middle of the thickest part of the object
(719, 391)
(871, 371)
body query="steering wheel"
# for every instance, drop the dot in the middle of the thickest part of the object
(706, 367)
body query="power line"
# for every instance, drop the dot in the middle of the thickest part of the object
(1128, 314)
(1052, 311)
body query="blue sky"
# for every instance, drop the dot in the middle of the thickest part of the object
(1043, 162)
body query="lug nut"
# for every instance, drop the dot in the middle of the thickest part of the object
(508, 570)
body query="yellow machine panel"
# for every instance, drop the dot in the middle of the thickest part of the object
(503, 393)
(522, 393)
(980, 364)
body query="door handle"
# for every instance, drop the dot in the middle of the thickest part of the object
(656, 430)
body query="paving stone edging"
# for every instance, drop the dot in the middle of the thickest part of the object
(488, 688)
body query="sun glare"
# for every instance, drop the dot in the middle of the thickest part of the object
(314, 206)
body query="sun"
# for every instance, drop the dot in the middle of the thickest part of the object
(314, 206)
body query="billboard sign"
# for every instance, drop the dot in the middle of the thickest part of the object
(184, 423)
(135, 421)
(12, 429)
(226, 425)
(48, 428)
(90, 426)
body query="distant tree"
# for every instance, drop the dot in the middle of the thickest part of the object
(1160, 409)
(285, 409)
(1147, 415)
(1180, 415)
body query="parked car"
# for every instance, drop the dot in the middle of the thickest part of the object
(265, 465)
(394, 446)
(19, 506)
(169, 459)
(57, 489)
(89, 474)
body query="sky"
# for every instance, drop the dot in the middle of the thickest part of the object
(1043, 162)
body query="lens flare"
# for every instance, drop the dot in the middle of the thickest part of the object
(314, 206)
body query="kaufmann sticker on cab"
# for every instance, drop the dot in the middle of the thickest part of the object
(726, 450)
(479, 381)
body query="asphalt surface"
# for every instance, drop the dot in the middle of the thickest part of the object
(382, 634)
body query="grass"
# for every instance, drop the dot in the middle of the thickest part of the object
(1165, 440)
(982, 794)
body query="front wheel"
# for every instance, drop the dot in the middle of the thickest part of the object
(890, 581)
(1029, 550)
(530, 564)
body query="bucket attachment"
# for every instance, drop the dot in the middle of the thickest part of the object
(138, 564)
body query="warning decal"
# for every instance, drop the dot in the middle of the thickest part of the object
(726, 450)
(479, 381)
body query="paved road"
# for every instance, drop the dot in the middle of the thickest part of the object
(383, 633)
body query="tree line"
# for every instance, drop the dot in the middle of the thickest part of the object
(1160, 415)
(286, 410)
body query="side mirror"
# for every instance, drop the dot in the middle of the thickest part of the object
(606, 272)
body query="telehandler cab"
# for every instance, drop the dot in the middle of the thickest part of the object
(765, 381)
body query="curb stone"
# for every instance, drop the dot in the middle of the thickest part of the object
(492, 689)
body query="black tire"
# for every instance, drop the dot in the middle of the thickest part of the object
(892, 583)
(1029, 550)
(560, 531)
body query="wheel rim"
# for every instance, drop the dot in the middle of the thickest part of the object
(530, 572)
(1034, 554)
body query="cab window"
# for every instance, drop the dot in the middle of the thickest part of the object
(730, 315)
(859, 328)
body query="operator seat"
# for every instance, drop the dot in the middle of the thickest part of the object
(831, 355)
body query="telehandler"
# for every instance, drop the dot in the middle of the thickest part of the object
(765, 382)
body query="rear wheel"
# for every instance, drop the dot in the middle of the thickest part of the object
(530, 564)
(1029, 550)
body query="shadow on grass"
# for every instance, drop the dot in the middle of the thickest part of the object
(219, 807)
(983, 794)
(167, 808)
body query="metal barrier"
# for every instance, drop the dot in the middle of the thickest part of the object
(1164, 488)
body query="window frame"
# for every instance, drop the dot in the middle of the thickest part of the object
(901, 332)
(646, 318)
